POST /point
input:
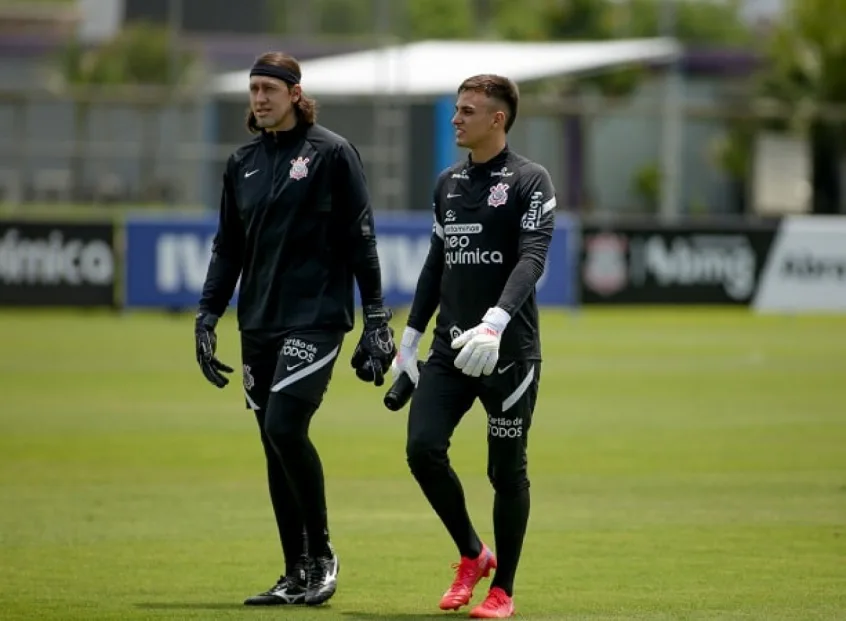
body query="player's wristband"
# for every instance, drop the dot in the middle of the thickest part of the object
(497, 318)
(206, 320)
(376, 314)
(410, 337)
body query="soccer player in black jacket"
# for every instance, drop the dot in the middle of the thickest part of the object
(296, 226)
(493, 223)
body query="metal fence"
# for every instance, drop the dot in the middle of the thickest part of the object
(605, 156)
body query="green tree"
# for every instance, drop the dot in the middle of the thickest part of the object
(807, 59)
(715, 24)
(141, 54)
(699, 23)
(804, 72)
(807, 74)
(522, 21)
(344, 18)
(77, 69)
(577, 20)
(441, 19)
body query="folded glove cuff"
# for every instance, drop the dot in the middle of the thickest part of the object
(207, 320)
(497, 318)
(410, 337)
(376, 314)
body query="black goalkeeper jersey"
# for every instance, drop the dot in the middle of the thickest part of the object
(493, 225)
(296, 226)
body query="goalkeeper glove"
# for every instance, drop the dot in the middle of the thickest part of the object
(480, 345)
(375, 349)
(205, 342)
(406, 360)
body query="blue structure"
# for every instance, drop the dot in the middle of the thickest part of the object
(167, 258)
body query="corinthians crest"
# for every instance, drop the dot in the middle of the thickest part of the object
(249, 381)
(299, 167)
(606, 266)
(499, 195)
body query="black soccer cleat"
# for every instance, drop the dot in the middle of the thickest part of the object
(322, 578)
(289, 590)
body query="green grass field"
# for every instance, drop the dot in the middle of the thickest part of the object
(685, 465)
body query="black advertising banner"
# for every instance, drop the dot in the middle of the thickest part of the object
(45, 263)
(678, 264)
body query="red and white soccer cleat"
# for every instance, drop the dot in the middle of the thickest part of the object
(468, 574)
(497, 605)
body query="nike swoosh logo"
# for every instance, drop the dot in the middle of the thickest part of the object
(505, 368)
(291, 367)
(250, 174)
(453, 195)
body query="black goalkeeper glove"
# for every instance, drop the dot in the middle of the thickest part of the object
(206, 345)
(375, 350)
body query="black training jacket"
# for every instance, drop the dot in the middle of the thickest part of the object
(296, 225)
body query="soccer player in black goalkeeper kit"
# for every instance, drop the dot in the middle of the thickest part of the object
(493, 224)
(296, 226)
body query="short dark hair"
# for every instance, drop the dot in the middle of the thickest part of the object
(306, 107)
(496, 87)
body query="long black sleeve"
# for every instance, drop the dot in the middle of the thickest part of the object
(357, 215)
(536, 228)
(227, 253)
(427, 294)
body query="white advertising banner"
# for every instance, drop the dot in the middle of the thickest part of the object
(805, 271)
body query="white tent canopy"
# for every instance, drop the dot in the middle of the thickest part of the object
(434, 68)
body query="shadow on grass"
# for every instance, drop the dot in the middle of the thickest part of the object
(188, 605)
(350, 615)
(400, 616)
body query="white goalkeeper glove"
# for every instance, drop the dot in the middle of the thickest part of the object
(406, 358)
(480, 345)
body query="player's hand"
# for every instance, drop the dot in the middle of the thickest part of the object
(406, 360)
(375, 349)
(206, 345)
(480, 345)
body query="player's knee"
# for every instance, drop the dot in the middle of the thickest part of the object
(287, 420)
(509, 485)
(283, 438)
(508, 479)
(267, 445)
(424, 457)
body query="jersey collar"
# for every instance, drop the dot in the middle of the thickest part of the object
(495, 162)
(286, 138)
